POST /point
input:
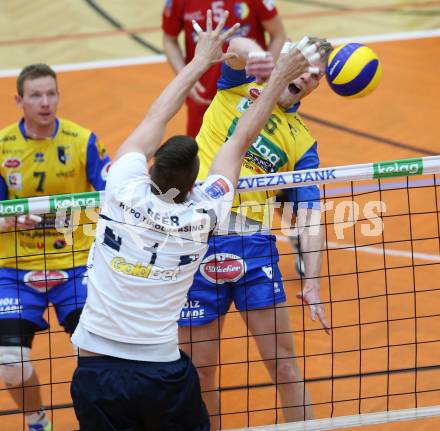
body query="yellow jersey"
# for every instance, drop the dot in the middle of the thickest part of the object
(284, 144)
(71, 161)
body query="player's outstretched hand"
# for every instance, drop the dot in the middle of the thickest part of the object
(324, 48)
(211, 41)
(260, 64)
(310, 296)
(308, 55)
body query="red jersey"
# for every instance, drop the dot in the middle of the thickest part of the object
(178, 14)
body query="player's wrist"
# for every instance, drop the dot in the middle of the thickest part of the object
(200, 64)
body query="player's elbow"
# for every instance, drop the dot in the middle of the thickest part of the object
(241, 46)
(170, 44)
(275, 28)
(279, 34)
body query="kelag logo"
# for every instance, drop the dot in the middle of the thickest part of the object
(264, 152)
(16, 207)
(398, 168)
(264, 148)
(81, 200)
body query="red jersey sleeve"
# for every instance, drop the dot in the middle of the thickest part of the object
(265, 9)
(172, 17)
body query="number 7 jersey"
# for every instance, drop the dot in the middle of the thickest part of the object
(71, 161)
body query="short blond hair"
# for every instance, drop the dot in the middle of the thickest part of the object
(34, 71)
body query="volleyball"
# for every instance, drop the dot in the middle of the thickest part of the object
(353, 70)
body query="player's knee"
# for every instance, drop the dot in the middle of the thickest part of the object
(286, 372)
(208, 377)
(15, 367)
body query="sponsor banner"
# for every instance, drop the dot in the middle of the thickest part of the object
(62, 156)
(138, 269)
(266, 150)
(217, 189)
(223, 268)
(10, 306)
(398, 168)
(15, 207)
(242, 106)
(15, 181)
(79, 200)
(8, 138)
(405, 167)
(43, 281)
(254, 92)
(295, 179)
(263, 152)
(192, 310)
(12, 163)
(39, 158)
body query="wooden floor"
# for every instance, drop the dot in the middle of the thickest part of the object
(71, 31)
(400, 119)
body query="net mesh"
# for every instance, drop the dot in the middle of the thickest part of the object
(379, 282)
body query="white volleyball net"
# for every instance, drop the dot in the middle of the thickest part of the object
(380, 284)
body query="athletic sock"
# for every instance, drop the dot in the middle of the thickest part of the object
(37, 420)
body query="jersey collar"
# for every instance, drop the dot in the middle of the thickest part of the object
(23, 129)
(293, 108)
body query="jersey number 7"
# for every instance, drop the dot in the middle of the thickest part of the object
(41, 178)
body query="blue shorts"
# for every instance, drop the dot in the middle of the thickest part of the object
(112, 394)
(26, 294)
(243, 269)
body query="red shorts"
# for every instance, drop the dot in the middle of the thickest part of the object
(195, 118)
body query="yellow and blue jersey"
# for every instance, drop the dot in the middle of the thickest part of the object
(71, 161)
(284, 144)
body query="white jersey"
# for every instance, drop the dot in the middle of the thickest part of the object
(146, 253)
